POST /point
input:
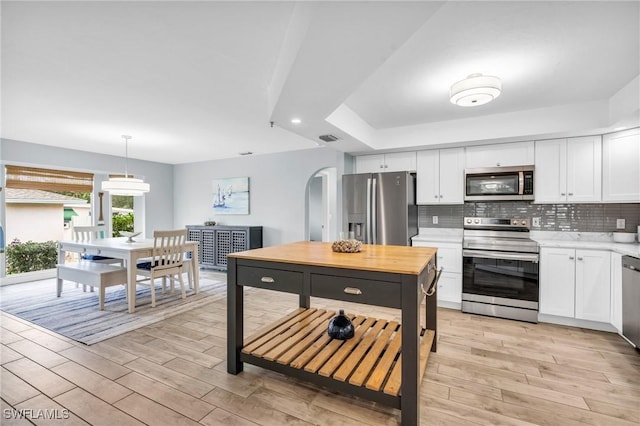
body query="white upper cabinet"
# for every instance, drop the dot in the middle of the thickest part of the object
(568, 170)
(440, 176)
(500, 155)
(621, 167)
(393, 162)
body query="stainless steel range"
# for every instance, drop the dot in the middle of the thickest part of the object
(500, 269)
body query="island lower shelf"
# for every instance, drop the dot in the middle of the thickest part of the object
(367, 365)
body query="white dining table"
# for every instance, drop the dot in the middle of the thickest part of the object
(130, 252)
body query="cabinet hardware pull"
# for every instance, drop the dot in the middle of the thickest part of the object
(352, 290)
(579, 258)
(571, 258)
(435, 196)
(563, 194)
(267, 280)
(571, 193)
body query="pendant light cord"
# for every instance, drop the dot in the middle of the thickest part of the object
(126, 155)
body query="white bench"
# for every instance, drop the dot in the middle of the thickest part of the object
(93, 274)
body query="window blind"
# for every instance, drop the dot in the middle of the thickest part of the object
(47, 179)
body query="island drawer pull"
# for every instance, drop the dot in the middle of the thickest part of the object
(352, 290)
(267, 280)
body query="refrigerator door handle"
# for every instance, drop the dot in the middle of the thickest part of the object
(367, 228)
(373, 206)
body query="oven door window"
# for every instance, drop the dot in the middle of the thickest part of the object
(511, 279)
(493, 184)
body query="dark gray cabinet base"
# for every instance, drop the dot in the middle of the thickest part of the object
(218, 241)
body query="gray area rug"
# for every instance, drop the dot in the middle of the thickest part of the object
(76, 315)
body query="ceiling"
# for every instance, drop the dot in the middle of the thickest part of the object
(196, 81)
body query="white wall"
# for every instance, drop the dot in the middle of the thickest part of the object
(278, 184)
(158, 206)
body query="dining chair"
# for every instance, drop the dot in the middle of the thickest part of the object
(88, 233)
(167, 261)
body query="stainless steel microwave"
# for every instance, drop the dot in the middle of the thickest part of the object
(499, 183)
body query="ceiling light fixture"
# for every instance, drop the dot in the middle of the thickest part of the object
(477, 89)
(296, 121)
(125, 185)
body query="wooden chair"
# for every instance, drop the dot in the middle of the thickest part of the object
(167, 261)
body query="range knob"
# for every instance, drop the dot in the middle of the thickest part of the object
(476, 221)
(468, 220)
(523, 223)
(514, 222)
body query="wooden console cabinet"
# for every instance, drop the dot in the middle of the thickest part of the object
(216, 242)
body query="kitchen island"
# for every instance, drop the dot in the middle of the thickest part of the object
(383, 362)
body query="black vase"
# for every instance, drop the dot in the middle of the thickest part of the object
(341, 327)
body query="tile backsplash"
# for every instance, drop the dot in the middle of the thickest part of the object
(553, 217)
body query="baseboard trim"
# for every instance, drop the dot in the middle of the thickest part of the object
(574, 322)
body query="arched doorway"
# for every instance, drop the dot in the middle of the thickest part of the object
(321, 205)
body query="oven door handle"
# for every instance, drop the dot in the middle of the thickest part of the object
(526, 257)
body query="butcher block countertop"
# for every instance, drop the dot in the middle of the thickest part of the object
(394, 259)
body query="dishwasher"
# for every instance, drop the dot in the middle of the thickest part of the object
(631, 299)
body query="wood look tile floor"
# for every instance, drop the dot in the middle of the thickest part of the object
(487, 371)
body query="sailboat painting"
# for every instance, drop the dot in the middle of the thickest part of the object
(231, 195)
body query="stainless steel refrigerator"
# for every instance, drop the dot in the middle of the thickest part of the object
(380, 208)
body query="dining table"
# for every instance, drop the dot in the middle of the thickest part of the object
(130, 251)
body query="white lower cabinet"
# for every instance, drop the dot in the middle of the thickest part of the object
(575, 283)
(449, 258)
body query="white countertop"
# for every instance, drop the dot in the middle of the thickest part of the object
(585, 240)
(439, 235)
(575, 240)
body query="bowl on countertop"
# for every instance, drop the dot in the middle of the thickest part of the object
(624, 237)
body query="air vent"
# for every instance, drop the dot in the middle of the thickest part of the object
(328, 138)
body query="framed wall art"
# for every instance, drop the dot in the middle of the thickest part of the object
(231, 195)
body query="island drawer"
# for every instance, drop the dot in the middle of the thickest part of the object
(272, 279)
(370, 292)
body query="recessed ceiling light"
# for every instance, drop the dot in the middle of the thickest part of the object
(617, 129)
(477, 89)
(296, 121)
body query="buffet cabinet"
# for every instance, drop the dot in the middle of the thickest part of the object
(216, 242)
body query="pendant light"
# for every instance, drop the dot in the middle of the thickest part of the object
(125, 185)
(477, 89)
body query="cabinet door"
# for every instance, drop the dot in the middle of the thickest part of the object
(593, 285)
(452, 176)
(616, 291)
(621, 166)
(584, 169)
(207, 249)
(400, 162)
(450, 288)
(449, 256)
(223, 247)
(370, 163)
(557, 282)
(550, 171)
(500, 155)
(428, 177)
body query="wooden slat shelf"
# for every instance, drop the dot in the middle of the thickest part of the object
(371, 359)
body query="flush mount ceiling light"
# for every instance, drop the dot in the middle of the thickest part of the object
(125, 185)
(296, 121)
(477, 89)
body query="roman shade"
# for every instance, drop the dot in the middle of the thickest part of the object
(48, 180)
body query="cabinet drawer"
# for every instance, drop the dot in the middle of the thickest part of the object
(382, 293)
(273, 279)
